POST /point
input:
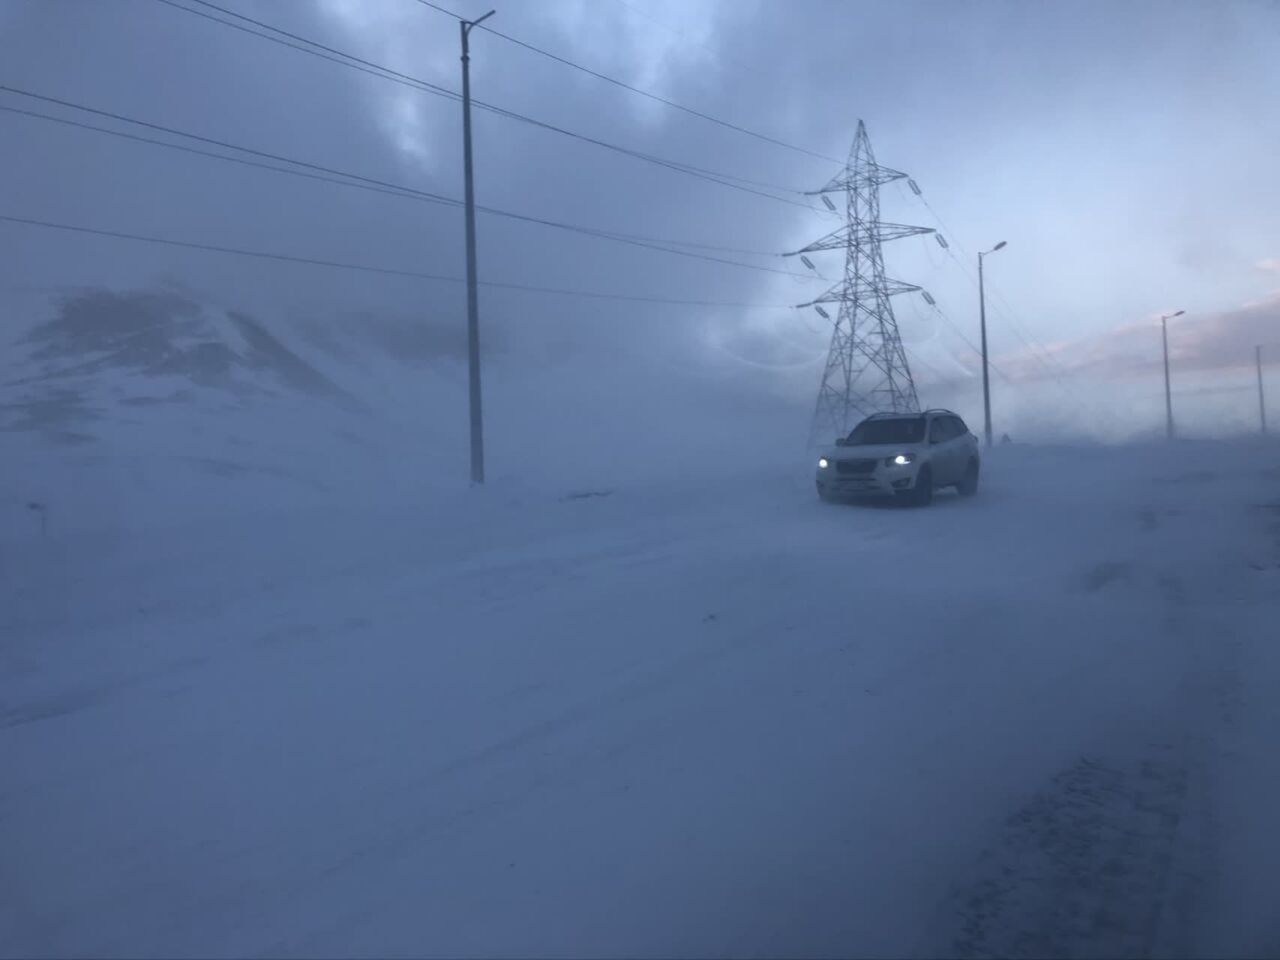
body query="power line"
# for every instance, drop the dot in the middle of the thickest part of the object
(648, 244)
(395, 192)
(366, 183)
(637, 90)
(400, 188)
(363, 66)
(701, 173)
(915, 356)
(215, 142)
(380, 70)
(1014, 325)
(1040, 356)
(723, 179)
(389, 74)
(919, 361)
(969, 343)
(365, 268)
(1053, 374)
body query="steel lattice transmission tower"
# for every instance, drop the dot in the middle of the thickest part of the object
(866, 369)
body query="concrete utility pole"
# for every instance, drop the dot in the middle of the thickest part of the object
(1168, 395)
(1262, 401)
(982, 315)
(473, 310)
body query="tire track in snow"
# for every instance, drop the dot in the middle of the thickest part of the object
(1113, 856)
(1083, 868)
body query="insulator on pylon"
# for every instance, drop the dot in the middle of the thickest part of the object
(942, 241)
(928, 298)
(822, 313)
(827, 200)
(808, 263)
(915, 187)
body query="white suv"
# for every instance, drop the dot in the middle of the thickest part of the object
(902, 455)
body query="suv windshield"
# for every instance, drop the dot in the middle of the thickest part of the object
(898, 430)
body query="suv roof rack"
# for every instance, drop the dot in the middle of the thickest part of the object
(890, 414)
(950, 413)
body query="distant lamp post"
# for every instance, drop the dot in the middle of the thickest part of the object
(1168, 395)
(1262, 399)
(982, 315)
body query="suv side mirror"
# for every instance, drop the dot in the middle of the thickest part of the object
(842, 441)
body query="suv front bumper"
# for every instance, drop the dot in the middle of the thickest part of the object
(882, 482)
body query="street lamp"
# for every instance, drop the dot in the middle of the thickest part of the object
(1168, 396)
(1262, 399)
(982, 314)
(473, 311)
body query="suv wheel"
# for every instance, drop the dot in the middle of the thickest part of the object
(968, 486)
(921, 495)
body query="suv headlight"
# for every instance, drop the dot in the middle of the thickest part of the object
(823, 463)
(901, 460)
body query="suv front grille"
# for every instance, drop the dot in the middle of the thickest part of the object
(847, 467)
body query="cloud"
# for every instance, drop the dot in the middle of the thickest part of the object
(1216, 341)
(1227, 339)
(1269, 265)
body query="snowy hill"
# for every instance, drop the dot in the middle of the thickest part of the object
(121, 409)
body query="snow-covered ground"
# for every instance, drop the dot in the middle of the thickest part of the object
(685, 718)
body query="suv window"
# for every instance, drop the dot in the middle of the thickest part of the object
(888, 430)
(958, 426)
(941, 429)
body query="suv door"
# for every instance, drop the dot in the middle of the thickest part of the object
(967, 442)
(942, 451)
(965, 448)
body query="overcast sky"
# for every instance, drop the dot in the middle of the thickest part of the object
(1126, 152)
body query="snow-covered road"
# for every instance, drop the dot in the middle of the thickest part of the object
(688, 720)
